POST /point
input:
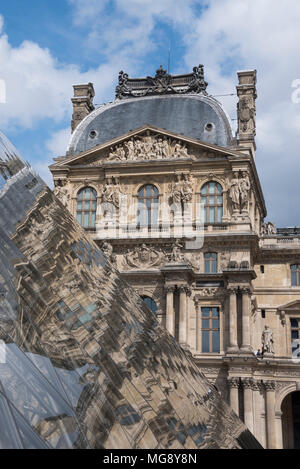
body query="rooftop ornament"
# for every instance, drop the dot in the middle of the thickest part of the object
(161, 83)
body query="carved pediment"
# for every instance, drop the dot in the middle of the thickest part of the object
(146, 144)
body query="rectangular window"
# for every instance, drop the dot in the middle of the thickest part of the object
(210, 330)
(295, 337)
(210, 263)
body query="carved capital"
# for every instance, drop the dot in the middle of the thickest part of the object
(247, 383)
(169, 288)
(232, 289)
(233, 382)
(269, 385)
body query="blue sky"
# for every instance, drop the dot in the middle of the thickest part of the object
(47, 46)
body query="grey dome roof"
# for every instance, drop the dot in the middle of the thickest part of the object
(187, 115)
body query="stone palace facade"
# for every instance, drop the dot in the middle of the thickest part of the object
(160, 182)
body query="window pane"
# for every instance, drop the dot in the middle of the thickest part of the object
(207, 267)
(293, 267)
(211, 214)
(215, 324)
(79, 218)
(214, 267)
(215, 312)
(86, 219)
(295, 334)
(219, 214)
(205, 312)
(211, 200)
(205, 323)
(294, 278)
(204, 189)
(211, 187)
(93, 221)
(205, 341)
(294, 322)
(219, 188)
(216, 341)
(80, 195)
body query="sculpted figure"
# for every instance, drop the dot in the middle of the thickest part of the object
(234, 191)
(130, 150)
(187, 189)
(244, 187)
(177, 255)
(267, 340)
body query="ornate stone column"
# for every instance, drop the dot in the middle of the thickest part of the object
(270, 414)
(247, 384)
(246, 303)
(182, 315)
(170, 313)
(233, 344)
(234, 384)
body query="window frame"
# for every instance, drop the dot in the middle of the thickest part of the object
(146, 209)
(210, 262)
(210, 329)
(206, 194)
(147, 297)
(295, 271)
(91, 210)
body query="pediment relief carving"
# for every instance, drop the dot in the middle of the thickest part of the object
(149, 146)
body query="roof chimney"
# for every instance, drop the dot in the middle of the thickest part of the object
(82, 103)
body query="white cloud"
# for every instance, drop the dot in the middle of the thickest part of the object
(58, 142)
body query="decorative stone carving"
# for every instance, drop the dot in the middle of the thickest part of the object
(269, 385)
(62, 194)
(181, 190)
(234, 382)
(176, 255)
(209, 291)
(268, 229)
(144, 256)
(148, 147)
(246, 114)
(267, 340)
(247, 383)
(111, 196)
(161, 83)
(239, 192)
(107, 249)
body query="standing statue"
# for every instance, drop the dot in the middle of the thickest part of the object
(177, 255)
(234, 191)
(267, 340)
(244, 187)
(110, 197)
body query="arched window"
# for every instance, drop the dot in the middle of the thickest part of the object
(87, 207)
(150, 303)
(210, 263)
(148, 206)
(212, 199)
(295, 270)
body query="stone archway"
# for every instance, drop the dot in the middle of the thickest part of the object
(290, 408)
